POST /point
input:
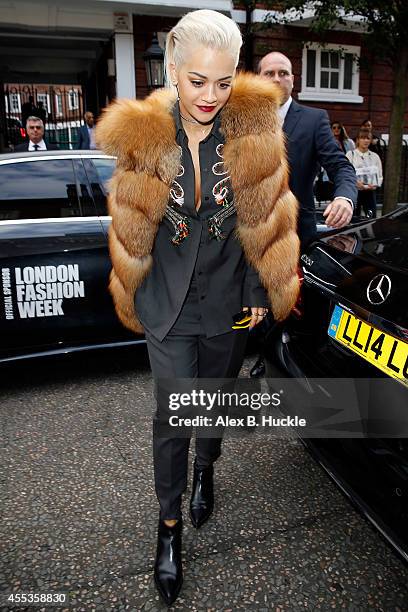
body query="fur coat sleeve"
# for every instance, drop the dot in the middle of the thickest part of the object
(266, 208)
(142, 136)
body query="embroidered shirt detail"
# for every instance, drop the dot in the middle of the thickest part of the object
(221, 189)
(215, 222)
(176, 190)
(217, 199)
(180, 225)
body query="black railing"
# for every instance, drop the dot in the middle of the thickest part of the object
(60, 107)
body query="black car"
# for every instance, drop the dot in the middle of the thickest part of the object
(351, 322)
(54, 255)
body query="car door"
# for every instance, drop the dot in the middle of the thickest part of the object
(51, 241)
(99, 169)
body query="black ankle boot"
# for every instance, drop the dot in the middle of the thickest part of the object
(202, 496)
(168, 570)
(258, 369)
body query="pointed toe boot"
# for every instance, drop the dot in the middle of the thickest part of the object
(168, 570)
(202, 497)
(258, 369)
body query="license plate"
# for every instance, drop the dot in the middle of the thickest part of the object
(382, 350)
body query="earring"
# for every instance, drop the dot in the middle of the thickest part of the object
(178, 94)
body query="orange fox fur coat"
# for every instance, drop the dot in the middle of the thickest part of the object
(141, 134)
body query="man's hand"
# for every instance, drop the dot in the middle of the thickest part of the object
(338, 213)
(257, 315)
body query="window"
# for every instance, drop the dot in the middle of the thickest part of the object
(330, 74)
(45, 99)
(73, 100)
(13, 103)
(38, 190)
(58, 105)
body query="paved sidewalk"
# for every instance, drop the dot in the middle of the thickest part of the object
(80, 513)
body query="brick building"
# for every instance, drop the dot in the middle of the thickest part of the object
(96, 48)
(59, 101)
(340, 77)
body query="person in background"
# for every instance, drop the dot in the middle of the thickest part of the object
(368, 167)
(324, 188)
(339, 132)
(87, 132)
(375, 143)
(35, 133)
(310, 144)
(41, 112)
(28, 110)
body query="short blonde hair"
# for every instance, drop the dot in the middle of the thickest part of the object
(201, 28)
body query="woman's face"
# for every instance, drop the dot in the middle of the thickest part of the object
(367, 124)
(336, 130)
(204, 83)
(363, 142)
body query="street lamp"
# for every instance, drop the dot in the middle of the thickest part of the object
(154, 64)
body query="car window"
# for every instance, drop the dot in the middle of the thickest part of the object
(86, 202)
(38, 190)
(99, 171)
(104, 169)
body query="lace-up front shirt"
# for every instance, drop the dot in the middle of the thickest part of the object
(200, 278)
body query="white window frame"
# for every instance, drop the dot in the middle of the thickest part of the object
(71, 106)
(11, 110)
(40, 98)
(58, 113)
(319, 94)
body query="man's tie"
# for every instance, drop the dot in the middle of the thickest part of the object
(36, 147)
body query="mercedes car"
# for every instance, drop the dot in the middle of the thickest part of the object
(351, 322)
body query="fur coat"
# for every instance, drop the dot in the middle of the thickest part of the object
(141, 134)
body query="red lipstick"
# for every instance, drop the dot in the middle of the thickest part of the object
(206, 109)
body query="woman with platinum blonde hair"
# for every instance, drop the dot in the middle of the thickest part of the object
(203, 235)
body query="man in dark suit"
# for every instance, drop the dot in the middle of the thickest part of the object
(35, 133)
(310, 144)
(87, 132)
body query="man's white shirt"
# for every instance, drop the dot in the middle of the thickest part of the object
(283, 110)
(41, 146)
(91, 133)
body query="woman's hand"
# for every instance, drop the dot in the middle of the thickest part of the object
(360, 185)
(257, 315)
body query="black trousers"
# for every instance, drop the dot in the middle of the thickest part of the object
(368, 201)
(180, 356)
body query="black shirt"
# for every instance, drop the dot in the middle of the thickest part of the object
(200, 274)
